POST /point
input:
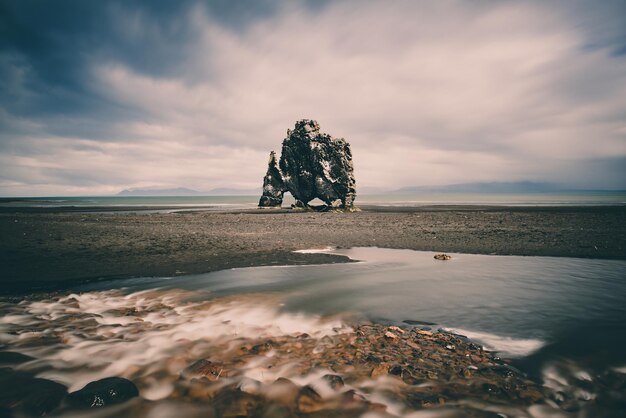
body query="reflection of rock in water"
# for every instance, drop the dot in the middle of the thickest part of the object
(312, 165)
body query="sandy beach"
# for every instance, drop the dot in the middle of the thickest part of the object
(47, 249)
(248, 354)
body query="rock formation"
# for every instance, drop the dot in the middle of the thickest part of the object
(273, 186)
(312, 165)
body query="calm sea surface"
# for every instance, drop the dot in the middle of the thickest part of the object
(243, 202)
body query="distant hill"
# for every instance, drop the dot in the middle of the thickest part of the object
(493, 187)
(183, 191)
(179, 191)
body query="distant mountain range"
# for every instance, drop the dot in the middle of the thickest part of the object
(183, 191)
(487, 187)
(492, 187)
(179, 191)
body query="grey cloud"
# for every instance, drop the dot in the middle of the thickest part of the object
(105, 94)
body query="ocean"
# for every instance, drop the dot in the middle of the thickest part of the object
(248, 202)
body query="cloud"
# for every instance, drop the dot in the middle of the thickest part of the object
(426, 93)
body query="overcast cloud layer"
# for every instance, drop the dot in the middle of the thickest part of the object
(97, 96)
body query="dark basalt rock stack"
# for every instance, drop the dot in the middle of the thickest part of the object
(273, 186)
(312, 165)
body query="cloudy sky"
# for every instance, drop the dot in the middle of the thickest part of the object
(97, 96)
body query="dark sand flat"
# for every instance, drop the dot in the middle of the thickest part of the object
(47, 249)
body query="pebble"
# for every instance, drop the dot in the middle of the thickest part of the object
(390, 335)
(334, 381)
(204, 369)
(396, 329)
(308, 400)
(380, 370)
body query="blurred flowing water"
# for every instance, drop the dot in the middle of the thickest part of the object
(562, 320)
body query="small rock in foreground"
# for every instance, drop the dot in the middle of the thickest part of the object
(442, 257)
(27, 394)
(104, 392)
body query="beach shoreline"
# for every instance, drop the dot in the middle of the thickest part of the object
(332, 365)
(47, 249)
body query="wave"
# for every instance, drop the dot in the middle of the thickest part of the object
(324, 250)
(511, 347)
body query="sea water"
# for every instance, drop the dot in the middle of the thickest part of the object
(389, 199)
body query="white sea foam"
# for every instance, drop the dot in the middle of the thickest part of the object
(512, 347)
(325, 250)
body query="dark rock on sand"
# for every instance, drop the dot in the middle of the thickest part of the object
(442, 257)
(29, 395)
(104, 392)
(312, 165)
(273, 186)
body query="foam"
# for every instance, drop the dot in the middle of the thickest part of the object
(325, 250)
(508, 346)
(145, 329)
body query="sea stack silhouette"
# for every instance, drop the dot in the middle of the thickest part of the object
(312, 165)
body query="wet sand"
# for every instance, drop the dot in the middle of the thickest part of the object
(51, 248)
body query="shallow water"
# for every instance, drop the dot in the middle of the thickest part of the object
(562, 319)
(513, 304)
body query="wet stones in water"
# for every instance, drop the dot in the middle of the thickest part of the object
(442, 257)
(334, 381)
(282, 391)
(381, 369)
(204, 369)
(232, 402)
(105, 392)
(503, 370)
(27, 394)
(308, 400)
(424, 398)
(391, 336)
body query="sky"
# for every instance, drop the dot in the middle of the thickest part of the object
(99, 96)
